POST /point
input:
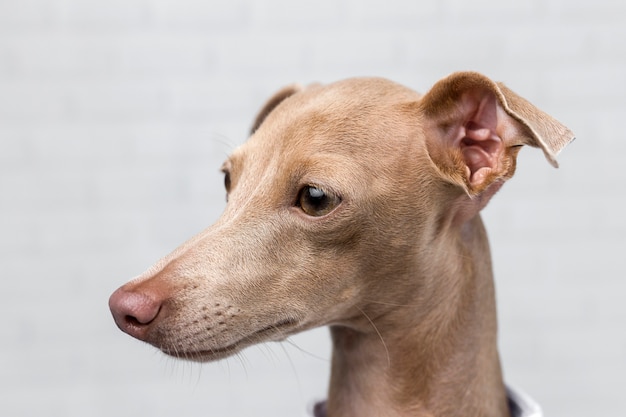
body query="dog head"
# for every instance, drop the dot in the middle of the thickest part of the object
(343, 192)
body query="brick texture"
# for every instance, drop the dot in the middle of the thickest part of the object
(115, 117)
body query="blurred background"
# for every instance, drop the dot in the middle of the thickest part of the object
(116, 115)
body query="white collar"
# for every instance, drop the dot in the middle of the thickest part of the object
(521, 405)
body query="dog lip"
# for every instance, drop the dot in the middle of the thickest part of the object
(258, 336)
(202, 355)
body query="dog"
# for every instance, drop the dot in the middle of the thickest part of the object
(356, 205)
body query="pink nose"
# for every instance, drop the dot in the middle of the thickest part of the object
(133, 312)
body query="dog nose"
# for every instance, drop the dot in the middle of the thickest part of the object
(133, 312)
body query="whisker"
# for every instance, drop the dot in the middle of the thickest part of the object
(306, 352)
(391, 304)
(225, 141)
(243, 361)
(228, 370)
(293, 368)
(267, 352)
(377, 332)
(273, 353)
(199, 379)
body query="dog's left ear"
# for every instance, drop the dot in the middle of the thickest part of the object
(475, 127)
(272, 103)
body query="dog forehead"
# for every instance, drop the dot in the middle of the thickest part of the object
(369, 85)
(353, 98)
(354, 133)
(353, 115)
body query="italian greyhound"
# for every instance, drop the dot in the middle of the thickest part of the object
(356, 205)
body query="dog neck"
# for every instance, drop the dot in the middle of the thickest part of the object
(435, 363)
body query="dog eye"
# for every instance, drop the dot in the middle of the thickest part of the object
(227, 181)
(317, 202)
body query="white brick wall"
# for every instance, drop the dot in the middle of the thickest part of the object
(115, 117)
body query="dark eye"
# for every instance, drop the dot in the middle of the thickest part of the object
(317, 202)
(227, 181)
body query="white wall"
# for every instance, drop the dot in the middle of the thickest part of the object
(114, 119)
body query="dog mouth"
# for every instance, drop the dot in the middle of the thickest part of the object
(273, 332)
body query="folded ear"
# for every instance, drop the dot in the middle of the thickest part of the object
(475, 127)
(272, 103)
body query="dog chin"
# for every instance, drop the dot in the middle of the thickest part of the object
(208, 355)
(273, 333)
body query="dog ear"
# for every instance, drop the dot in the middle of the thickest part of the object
(475, 127)
(272, 103)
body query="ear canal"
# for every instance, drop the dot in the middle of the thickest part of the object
(478, 140)
(272, 103)
(475, 127)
